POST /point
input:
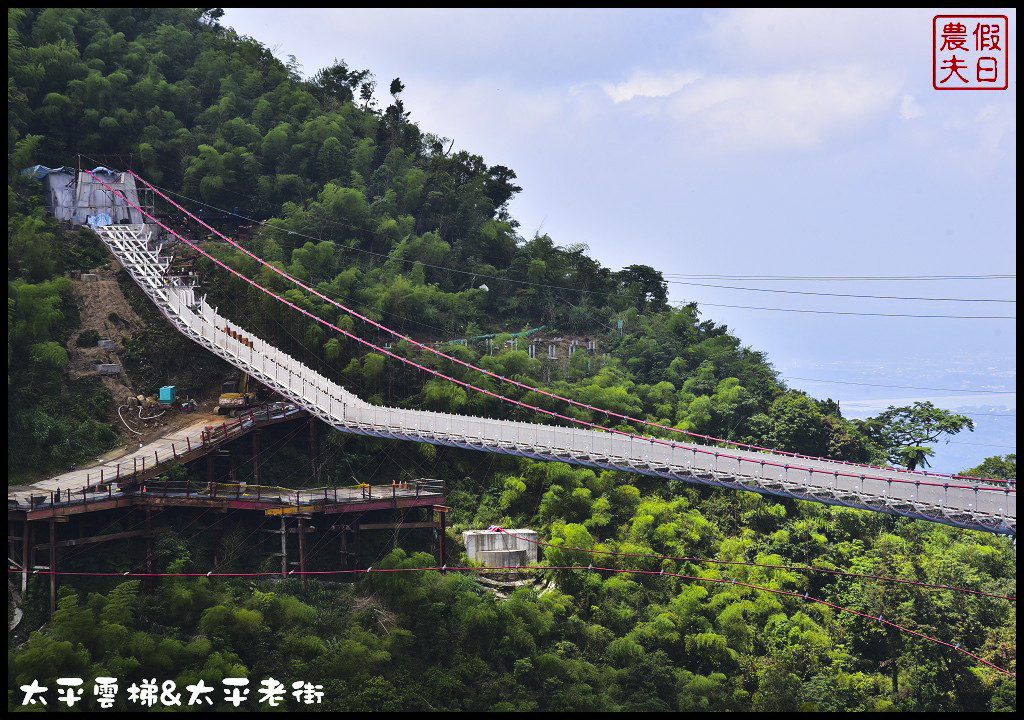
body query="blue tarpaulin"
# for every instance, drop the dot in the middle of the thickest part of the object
(100, 220)
(41, 171)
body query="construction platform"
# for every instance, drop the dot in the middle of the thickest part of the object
(40, 532)
(135, 499)
(270, 500)
(179, 446)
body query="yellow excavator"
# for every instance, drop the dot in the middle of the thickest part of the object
(235, 396)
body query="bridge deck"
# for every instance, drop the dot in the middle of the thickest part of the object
(953, 501)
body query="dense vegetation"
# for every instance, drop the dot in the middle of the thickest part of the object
(590, 640)
(378, 214)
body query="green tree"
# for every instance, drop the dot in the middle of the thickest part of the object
(646, 285)
(1004, 468)
(903, 433)
(794, 423)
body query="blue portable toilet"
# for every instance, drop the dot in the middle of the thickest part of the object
(167, 395)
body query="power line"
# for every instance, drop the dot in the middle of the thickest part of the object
(437, 373)
(860, 314)
(388, 353)
(485, 276)
(846, 295)
(673, 302)
(674, 275)
(899, 387)
(831, 278)
(961, 442)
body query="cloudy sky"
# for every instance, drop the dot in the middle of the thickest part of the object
(740, 143)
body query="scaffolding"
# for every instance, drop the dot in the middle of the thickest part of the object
(78, 198)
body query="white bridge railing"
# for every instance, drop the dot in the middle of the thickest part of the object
(956, 502)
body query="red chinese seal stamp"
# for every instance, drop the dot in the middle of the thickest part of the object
(970, 52)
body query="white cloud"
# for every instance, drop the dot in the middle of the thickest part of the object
(769, 111)
(910, 108)
(797, 109)
(644, 84)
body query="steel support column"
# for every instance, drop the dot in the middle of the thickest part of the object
(284, 547)
(53, 566)
(302, 549)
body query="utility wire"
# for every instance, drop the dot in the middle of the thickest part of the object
(622, 294)
(342, 246)
(900, 387)
(388, 353)
(830, 278)
(847, 295)
(404, 360)
(836, 312)
(883, 278)
(960, 442)
(400, 317)
(667, 275)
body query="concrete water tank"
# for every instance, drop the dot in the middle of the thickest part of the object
(501, 549)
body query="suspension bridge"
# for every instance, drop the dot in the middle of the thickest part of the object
(973, 503)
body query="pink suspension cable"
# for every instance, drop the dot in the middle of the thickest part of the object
(594, 426)
(721, 581)
(501, 378)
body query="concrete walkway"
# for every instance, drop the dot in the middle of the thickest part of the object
(161, 451)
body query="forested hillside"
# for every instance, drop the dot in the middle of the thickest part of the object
(383, 216)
